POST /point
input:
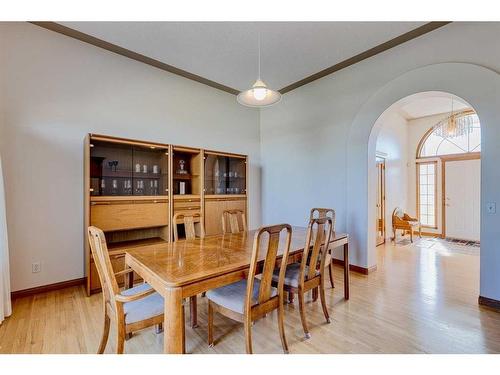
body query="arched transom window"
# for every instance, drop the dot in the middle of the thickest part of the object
(456, 134)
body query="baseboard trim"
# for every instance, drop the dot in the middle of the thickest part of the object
(355, 268)
(489, 302)
(47, 288)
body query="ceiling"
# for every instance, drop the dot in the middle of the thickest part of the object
(428, 104)
(227, 52)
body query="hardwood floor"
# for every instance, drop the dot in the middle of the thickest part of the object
(421, 299)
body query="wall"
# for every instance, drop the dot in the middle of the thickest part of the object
(55, 90)
(316, 145)
(393, 141)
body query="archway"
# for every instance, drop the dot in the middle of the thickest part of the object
(480, 87)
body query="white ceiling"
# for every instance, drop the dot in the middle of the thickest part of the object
(226, 52)
(428, 104)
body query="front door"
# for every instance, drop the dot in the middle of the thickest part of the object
(463, 199)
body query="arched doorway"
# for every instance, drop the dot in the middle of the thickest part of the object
(480, 87)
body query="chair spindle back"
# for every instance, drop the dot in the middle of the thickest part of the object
(319, 234)
(273, 245)
(231, 217)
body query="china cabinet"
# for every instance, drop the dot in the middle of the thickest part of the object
(133, 190)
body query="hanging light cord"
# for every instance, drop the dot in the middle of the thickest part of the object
(258, 43)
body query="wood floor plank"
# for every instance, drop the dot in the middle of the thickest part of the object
(421, 299)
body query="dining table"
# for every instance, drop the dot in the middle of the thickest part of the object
(183, 269)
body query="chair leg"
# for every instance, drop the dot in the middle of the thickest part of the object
(210, 324)
(105, 334)
(248, 335)
(159, 328)
(120, 338)
(315, 294)
(330, 271)
(303, 314)
(193, 304)
(281, 326)
(411, 235)
(323, 301)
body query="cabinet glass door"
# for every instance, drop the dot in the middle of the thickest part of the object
(126, 170)
(224, 175)
(150, 171)
(110, 169)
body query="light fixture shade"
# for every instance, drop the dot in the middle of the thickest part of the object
(259, 96)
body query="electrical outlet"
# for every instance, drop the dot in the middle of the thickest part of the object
(36, 267)
(491, 208)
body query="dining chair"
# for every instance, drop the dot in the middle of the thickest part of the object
(132, 309)
(249, 300)
(231, 217)
(320, 213)
(309, 273)
(189, 220)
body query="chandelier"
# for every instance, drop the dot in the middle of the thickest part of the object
(455, 125)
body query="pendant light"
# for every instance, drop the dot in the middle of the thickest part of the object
(259, 95)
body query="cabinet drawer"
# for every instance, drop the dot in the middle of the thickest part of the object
(187, 204)
(111, 216)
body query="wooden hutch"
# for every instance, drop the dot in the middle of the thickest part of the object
(134, 188)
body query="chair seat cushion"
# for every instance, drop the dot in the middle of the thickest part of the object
(144, 308)
(233, 296)
(292, 274)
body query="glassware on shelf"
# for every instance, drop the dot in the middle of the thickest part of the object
(139, 190)
(230, 174)
(155, 169)
(103, 186)
(144, 168)
(137, 168)
(114, 187)
(127, 187)
(182, 167)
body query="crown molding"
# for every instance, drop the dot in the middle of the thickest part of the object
(403, 38)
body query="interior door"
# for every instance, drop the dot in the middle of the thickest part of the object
(463, 199)
(380, 222)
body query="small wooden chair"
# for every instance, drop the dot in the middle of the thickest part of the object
(309, 273)
(403, 221)
(189, 220)
(320, 213)
(248, 300)
(133, 309)
(231, 217)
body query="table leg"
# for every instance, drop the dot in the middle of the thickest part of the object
(173, 327)
(346, 271)
(193, 306)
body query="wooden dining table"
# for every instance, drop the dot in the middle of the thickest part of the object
(183, 269)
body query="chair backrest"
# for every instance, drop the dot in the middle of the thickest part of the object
(323, 212)
(103, 264)
(189, 220)
(398, 212)
(231, 217)
(271, 254)
(319, 234)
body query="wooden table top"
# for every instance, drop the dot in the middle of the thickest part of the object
(184, 262)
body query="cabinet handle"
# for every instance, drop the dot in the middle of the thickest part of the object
(91, 190)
